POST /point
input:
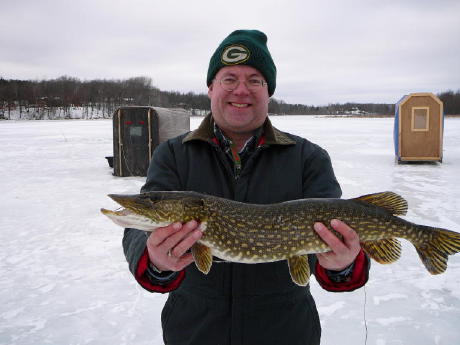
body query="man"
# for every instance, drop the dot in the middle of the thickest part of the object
(237, 154)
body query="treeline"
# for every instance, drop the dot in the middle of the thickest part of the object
(282, 108)
(58, 98)
(450, 99)
(451, 102)
(66, 97)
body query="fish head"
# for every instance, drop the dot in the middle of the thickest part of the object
(128, 219)
(153, 209)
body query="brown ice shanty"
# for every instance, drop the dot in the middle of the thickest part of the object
(137, 131)
(418, 128)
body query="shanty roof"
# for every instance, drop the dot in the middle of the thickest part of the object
(418, 94)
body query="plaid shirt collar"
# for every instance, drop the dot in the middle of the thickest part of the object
(237, 157)
(227, 145)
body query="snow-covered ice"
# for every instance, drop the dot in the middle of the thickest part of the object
(64, 279)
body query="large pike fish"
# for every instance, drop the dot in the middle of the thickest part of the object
(250, 233)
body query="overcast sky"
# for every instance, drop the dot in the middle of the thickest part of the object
(325, 51)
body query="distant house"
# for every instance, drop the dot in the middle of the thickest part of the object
(355, 111)
(418, 128)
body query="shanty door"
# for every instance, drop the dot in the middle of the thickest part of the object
(421, 129)
(133, 144)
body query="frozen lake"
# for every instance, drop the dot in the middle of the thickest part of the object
(64, 279)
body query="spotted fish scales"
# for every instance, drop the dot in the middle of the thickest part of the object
(251, 233)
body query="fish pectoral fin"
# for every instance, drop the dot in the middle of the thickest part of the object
(203, 257)
(385, 251)
(390, 201)
(299, 269)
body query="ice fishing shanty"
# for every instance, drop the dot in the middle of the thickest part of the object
(137, 131)
(418, 128)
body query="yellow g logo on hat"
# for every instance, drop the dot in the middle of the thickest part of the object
(235, 54)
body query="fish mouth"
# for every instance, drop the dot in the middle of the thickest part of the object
(119, 213)
(130, 219)
(128, 201)
(119, 198)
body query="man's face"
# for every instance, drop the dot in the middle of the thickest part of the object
(239, 111)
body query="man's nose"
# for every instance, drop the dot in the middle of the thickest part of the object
(241, 88)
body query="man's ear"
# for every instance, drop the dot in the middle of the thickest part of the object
(210, 89)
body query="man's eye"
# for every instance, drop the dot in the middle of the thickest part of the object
(255, 82)
(228, 80)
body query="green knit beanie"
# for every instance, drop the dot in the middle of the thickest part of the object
(244, 47)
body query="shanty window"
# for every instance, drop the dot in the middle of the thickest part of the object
(420, 118)
(135, 131)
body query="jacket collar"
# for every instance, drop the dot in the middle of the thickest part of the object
(205, 132)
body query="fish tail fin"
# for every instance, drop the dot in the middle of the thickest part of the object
(436, 246)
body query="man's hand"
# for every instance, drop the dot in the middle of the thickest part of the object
(343, 251)
(167, 246)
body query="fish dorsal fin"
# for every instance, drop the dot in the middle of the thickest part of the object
(392, 202)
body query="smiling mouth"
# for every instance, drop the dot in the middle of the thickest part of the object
(239, 105)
